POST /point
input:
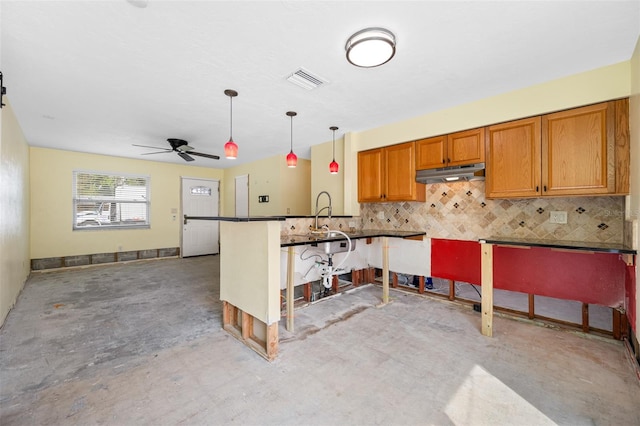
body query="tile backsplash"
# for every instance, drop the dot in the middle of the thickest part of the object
(460, 211)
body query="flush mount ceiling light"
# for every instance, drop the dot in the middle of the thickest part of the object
(371, 47)
(292, 159)
(231, 148)
(334, 166)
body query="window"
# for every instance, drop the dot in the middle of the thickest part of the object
(107, 201)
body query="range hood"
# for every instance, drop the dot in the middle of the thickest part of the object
(451, 174)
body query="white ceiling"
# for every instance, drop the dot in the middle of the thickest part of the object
(99, 76)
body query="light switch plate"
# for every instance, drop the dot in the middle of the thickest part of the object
(558, 217)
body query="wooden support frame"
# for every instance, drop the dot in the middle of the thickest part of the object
(487, 288)
(385, 270)
(421, 285)
(452, 290)
(532, 306)
(306, 292)
(290, 291)
(244, 330)
(585, 317)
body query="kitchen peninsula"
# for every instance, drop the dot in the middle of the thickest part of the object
(250, 274)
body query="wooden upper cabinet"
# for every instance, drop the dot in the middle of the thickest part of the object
(431, 153)
(401, 174)
(371, 175)
(578, 151)
(513, 159)
(582, 151)
(389, 174)
(465, 147)
(455, 149)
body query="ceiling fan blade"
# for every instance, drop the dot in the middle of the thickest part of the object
(154, 147)
(155, 152)
(200, 154)
(185, 157)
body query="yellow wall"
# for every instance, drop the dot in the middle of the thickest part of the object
(52, 210)
(295, 186)
(14, 210)
(634, 127)
(271, 177)
(322, 180)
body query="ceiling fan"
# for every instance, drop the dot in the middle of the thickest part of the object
(181, 147)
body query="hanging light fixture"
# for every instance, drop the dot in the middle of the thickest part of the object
(334, 166)
(371, 47)
(292, 159)
(231, 148)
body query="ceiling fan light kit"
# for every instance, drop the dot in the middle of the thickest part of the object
(231, 148)
(371, 47)
(292, 159)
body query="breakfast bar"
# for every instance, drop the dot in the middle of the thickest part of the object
(250, 274)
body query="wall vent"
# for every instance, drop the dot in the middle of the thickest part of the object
(306, 79)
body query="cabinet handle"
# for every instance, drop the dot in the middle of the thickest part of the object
(537, 188)
(544, 188)
(443, 161)
(448, 160)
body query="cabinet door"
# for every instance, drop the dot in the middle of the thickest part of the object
(370, 175)
(465, 147)
(577, 147)
(513, 159)
(401, 174)
(431, 152)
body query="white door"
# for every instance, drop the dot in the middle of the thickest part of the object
(242, 196)
(200, 197)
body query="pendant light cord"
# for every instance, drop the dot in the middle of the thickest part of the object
(291, 133)
(334, 145)
(230, 118)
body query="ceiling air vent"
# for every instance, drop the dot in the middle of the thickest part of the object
(306, 79)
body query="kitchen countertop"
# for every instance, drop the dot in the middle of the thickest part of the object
(303, 239)
(257, 218)
(236, 218)
(566, 245)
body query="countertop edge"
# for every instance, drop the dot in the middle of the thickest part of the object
(568, 245)
(301, 240)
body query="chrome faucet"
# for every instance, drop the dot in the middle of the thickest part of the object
(328, 207)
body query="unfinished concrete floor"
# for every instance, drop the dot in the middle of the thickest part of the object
(141, 343)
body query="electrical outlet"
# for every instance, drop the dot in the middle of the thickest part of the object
(381, 215)
(558, 217)
(352, 224)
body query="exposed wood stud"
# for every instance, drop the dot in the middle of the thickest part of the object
(385, 270)
(247, 326)
(452, 290)
(532, 307)
(306, 291)
(290, 291)
(585, 317)
(487, 289)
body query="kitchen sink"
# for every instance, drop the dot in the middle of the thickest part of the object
(331, 247)
(318, 239)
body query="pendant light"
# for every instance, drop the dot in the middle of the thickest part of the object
(292, 159)
(231, 148)
(334, 166)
